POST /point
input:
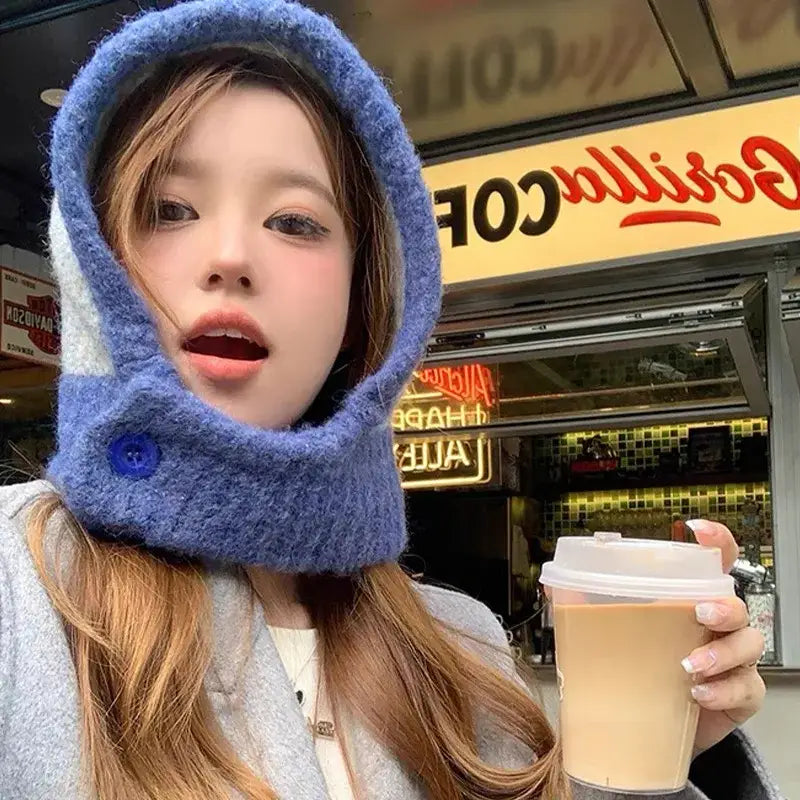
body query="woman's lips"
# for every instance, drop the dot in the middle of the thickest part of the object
(215, 368)
(226, 345)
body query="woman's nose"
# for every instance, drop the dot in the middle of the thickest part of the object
(230, 252)
(229, 276)
(230, 268)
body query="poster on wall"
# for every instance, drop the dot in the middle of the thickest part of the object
(29, 328)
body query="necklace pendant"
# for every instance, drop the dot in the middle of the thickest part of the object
(323, 728)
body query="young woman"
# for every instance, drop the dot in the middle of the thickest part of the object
(203, 599)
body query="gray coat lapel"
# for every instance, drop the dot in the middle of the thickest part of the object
(382, 775)
(253, 697)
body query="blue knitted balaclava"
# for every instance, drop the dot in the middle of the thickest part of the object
(141, 458)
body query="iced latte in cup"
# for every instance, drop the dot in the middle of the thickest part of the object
(624, 620)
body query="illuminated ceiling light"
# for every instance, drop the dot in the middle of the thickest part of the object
(6, 401)
(53, 97)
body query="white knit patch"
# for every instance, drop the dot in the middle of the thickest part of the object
(399, 268)
(83, 351)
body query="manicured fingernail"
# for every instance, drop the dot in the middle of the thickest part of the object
(702, 692)
(699, 662)
(710, 613)
(693, 524)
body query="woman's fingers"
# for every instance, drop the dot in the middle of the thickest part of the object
(738, 694)
(714, 534)
(724, 615)
(728, 688)
(743, 648)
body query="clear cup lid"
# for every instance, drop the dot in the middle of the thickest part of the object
(609, 564)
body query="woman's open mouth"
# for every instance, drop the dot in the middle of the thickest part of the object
(225, 353)
(226, 344)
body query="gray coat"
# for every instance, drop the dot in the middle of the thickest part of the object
(39, 715)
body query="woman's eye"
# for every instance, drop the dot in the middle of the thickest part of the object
(297, 225)
(172, 211)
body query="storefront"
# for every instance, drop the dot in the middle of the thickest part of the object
(29, 343)
(617, 351)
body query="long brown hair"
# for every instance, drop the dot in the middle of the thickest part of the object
(139, 623)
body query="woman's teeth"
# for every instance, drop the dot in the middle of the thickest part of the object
(229, 332)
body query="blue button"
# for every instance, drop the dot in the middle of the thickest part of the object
(134, 455)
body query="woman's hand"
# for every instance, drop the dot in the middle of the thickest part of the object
(728, 688)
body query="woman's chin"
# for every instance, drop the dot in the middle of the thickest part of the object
(255, 417)
(244, 400)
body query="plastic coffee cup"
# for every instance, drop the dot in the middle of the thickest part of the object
(624, 620)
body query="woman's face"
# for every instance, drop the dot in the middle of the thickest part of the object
(251, 258)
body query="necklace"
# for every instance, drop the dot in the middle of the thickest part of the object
(298, 693)
(322, 728)
(319, 728)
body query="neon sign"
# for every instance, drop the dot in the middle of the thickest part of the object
(444, 462)
(437, 418)
(471, 383)
(439, 399)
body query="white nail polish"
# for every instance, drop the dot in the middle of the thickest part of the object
(706, 613)
(699, 663)
(702, 692)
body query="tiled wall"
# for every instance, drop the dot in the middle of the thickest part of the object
(638, 448)
(652, 508)
(722, 503)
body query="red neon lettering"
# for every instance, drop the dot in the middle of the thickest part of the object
(471, 383)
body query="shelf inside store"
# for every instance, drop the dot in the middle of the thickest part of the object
(616, 481)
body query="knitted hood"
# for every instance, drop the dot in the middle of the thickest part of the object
(141, 458)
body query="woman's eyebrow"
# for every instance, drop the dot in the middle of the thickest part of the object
(186, 168)
(293, 178)
(279, 178)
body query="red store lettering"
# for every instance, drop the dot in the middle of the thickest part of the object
(698, 182)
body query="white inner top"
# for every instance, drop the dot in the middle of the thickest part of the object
(298, 651)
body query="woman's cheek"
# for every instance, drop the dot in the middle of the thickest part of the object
(319, 289)
(163, 263)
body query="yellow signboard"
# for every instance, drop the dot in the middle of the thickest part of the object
(723, 176)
